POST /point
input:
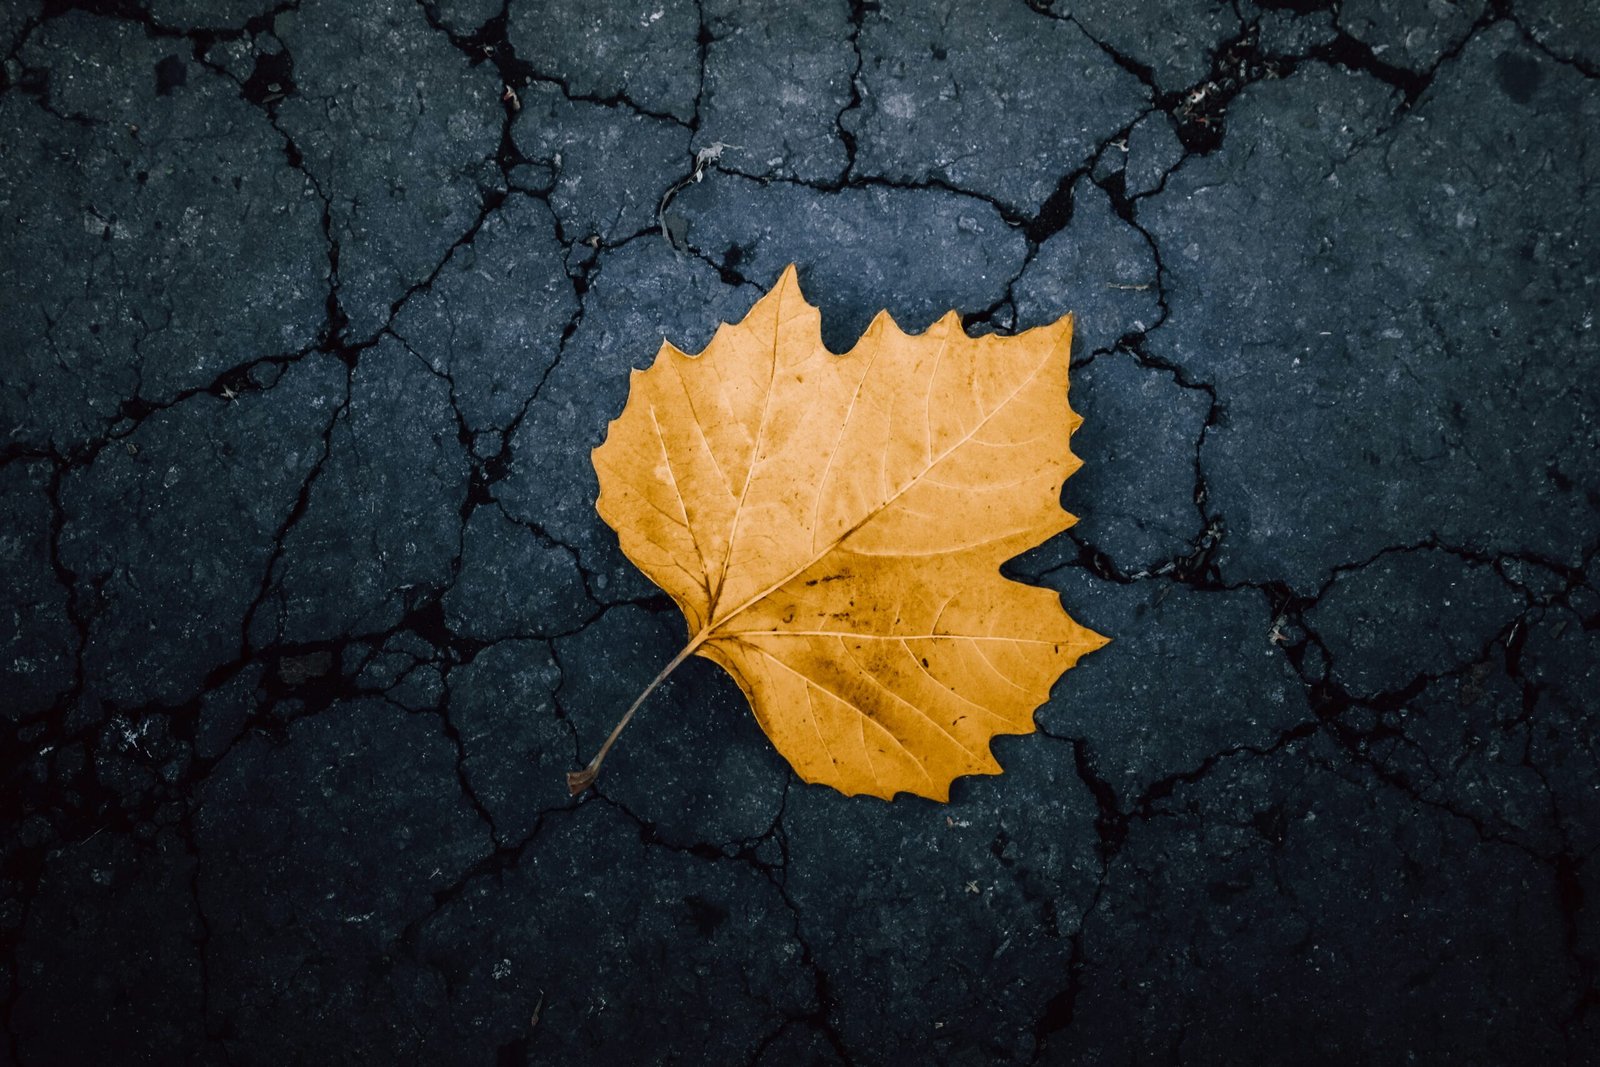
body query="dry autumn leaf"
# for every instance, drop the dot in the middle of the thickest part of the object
(833, 529)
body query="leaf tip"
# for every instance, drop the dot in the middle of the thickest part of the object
(788, 282)
(882, 320)
(1063, 328)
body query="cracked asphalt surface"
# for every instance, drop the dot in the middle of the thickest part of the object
(313, 312)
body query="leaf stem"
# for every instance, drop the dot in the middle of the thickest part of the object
(578, 781)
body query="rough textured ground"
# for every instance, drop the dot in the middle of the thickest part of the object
(313, 312)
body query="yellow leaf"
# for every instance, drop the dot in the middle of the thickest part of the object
(833, 528)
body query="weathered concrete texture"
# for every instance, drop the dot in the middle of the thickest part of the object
(1137, 444)
(1107, 266)
(778, 76)
(315, 886)
(174, 232)
(1409, 614)
(115, 897)
(642, 54)
(1153, 149)
(996, 894)
(1251, 945)
(464, 17)
(931, 75)
(397, 133)
(515, 580)
(15, 20)
(606, 166)
(1371, 298)
(210, 482)
(513, 763)
(965, 258)
(382, 517)
(36, 659)
(1204, 672)
(315, 311)
(687, 952)
(1175, 40)
(1563, 669)
(1414, 34)
(506, 291)
(1284, 31)
(1570, 31)
(208, 14)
